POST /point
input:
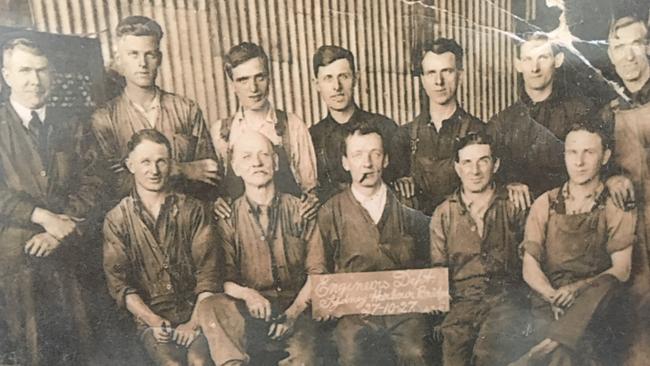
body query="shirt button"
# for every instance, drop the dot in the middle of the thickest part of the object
(473, 228)
(169, 286)
(279, 289)
(262, 238)
(43, 173)
(165, 265)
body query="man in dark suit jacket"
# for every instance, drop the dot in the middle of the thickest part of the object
(44, 194)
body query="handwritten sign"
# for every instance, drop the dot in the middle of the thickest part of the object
(380, 293)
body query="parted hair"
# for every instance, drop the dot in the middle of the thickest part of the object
(137, 25)
(363, 128)
(593, 124)
(241, 53)
(474, 138)
(22, 43)
(148, 134)
(327, 54)
(440, 46)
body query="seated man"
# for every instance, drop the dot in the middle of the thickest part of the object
(269, 251)
(365, 228)
(578, 250)
(476, 233)
(160, 256)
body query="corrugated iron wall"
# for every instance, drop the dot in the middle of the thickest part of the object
(382, 35)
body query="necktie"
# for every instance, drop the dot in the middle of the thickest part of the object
(37, 128)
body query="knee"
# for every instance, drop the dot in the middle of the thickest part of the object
(198, 360)
(412, 354)
(171, 363)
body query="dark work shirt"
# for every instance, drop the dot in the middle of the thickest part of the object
(354, 243)
(432, 166)
(274, 258)
(476, 260)
(167, 261)
(328, 135)
(530, 138)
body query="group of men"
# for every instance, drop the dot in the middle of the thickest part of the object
(211, 231)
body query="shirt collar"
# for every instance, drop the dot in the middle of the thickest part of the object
(381, 192)
(270, 116)
(500, 193)
(170, 202)
(557, 91)
(256, 207)
(642, 96)
(25, 113)
(155, 102)
(457, 115)
(481, 200)
(593, 195)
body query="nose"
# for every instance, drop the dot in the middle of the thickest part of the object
(256, 161)
(580, 161)
(142, 60)
(535, 66)
(338, 85)
(437, 79)
(629, 53)
(367, 161)
(33, 77)
(155, 169)
(474, 169)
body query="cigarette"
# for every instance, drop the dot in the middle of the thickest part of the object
(363, 177)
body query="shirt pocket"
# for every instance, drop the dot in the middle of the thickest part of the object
(183, 147)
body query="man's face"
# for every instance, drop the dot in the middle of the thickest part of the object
(149, 164)
(335, 83)
(365, 159)
(138, 59)
(254, 160)
(537, 64)
(584, 156)
(440, 77)
(251, 82)
(628, 50)
(476, 167)
(28, 76)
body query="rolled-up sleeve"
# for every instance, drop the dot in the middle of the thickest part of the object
(117, 266)
(621, 227)
(226, 237)
(206, 254)
(315, 262)
(438, 237)
(303, 156)
(535, 232)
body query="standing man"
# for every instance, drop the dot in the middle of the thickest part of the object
(476, 234)
(578, 254)
(161, 257)
(45, 192)
(335, 77)
(142, 105)
(365, 228)
(247, 66)
(270, 249)
(628, 50)
(424, 148)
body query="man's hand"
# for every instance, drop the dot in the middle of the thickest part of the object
(185, 334)
(405, 186)
(280, 327)
(622, 191)
(162, 330)
(58, 225)
(41, 245)
(206, 171)
(557, 312)
(222, 208)
(565, 296)
(309, 205)
(519, 195)
(325, 318)
(258, 306)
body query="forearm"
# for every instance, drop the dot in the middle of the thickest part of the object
(199, 298)
(535, 277)
(234, 290)
(301, 301)
(136, 306)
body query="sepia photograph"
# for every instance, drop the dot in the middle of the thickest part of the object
(324, 182)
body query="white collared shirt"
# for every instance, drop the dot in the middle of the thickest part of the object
(373, 204)
(25, 113)
(150, 113)
(241, 125)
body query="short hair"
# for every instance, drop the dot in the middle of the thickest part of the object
(148, 134)
(241, 53)
(137, 25)
(25, 44)
(440, 46)
(593, 124)
(626, 20)
(536, 36)
(474, 138)
(327, 54)
(363, 128)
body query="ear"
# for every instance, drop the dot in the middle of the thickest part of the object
(457, 168)
(276, 162)
(606, 155)
(497, 164)
(345, 163)
(5, 76)
(129, 165)
(385, 162)
(559, 59)
(518, 65)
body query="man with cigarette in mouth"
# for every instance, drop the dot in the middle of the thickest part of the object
(161, 256)
(365, 228)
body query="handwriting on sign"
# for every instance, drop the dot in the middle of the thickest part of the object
(380, 293)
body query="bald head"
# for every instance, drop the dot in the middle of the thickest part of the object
(253, 159)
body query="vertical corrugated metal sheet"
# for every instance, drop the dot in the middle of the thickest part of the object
(382, 36)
